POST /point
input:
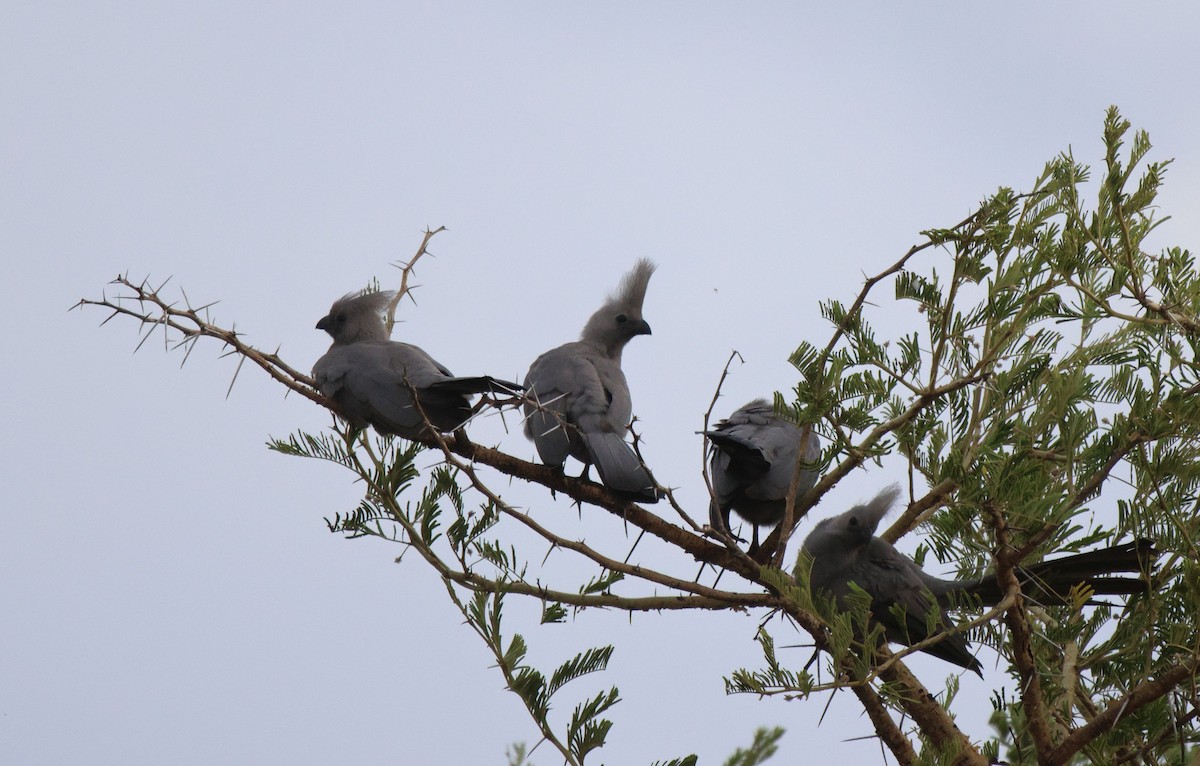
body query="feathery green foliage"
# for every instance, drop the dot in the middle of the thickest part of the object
(764, 746)
(1047, 376)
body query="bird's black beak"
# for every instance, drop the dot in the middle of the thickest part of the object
(643, 328)
(323, 324)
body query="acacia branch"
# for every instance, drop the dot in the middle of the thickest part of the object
(480, 584)
(406, 269)
(931, 717)
(1173, 729)
(919, 511)
(582, 548)
(154, 310)
(702, 598)
(1143, 694)
(493, 642)
(1017, 620)
(870, 283)
(858, 453)
(888, 731)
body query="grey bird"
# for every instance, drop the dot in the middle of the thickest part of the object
(844, 550)
(372, 380)
(577, 398)
(753, 457)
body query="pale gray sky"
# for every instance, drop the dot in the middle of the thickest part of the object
(169, 590)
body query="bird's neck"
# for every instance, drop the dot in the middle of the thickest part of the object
(366, 335)
(610, 350)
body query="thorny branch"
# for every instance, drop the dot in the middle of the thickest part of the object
(406, 270)
(919, 511)
(153, 310)
(147, 305)
(1141, 695)
(724, 535)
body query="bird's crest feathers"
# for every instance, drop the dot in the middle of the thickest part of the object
(878, 506)
(620, 318)
(860, 522)
(363, 301)
(357, 317)
(631, 293)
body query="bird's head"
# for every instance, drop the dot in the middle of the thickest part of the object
(851, 531)
(620, 318)
(357, 317)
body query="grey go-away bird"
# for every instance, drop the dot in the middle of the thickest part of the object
(578, 401)
(372, 379)
(754, 456)
(844, 550)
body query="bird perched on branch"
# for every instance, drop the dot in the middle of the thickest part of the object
(373, 380)
(755, 454)
(577, 398)
(845, 550)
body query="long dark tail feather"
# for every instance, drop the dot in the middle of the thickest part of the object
(1118, 586)
(1050, 582)
(1137, 556)
(482, 384)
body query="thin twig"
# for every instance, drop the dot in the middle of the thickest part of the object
(406, 270)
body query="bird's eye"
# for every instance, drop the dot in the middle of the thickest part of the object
(622, 319)
(853, 521)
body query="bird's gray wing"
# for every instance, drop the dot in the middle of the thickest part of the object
(737, 461)
(444, 399)
(425, 372)
(608, 406)
(765, 450)
(363, 380)
(603, 420)
(780, 442)
(756, 456)
(568, 398)
(901, 601)
(373, 382)
(329, 375)
(735, 464)
(581, 408)
(553, 382)
(413, 363)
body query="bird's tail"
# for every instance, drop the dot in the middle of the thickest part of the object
(619, 467)
(1050, 582)
(481, 384)
(744, 456)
